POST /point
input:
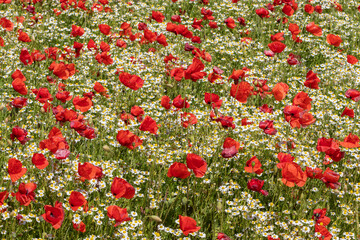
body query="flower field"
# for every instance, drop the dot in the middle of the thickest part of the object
(180, 119)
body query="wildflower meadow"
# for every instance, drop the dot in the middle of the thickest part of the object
(180, 119)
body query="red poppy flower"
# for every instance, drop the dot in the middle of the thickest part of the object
(236, 75)
(211, 98)
(226, 121)
(314, 29)
(266, 109)
(104, 47)
(104, 29)
(292, 174)
(302, 100)
(262, 12)
(193, 71)
(149, 125)
(157, 16)
(119, 214)
(23, 37)
(128, 139)
(197, 164)
(176, 18)
(54, 215)
(312, 80)
(120, 188)
(26, 193)
(188, 119)
(89, 171)
(353, 94)
(104, 58)
(318, 9)
(3, 196)
(77, 31)
(306, 119)
(137, 112)
(293, 59)
(213, 25)
(292, 115)
(131, 81)
(81, 227)
(352, 59)
(77, 200)
(100, 89)
(288, 10)
(161, 39)
(188, 225)
(280, 90)
(55, 141)
(19, 86)
(268, 127)
(241, 91)
(277, 37)
(294, 28)
(348, 112)
(320, 218)
(253, 165)
(309, 8)
(331, 179)
(222, 236)
(178, 170)
(39, 160)
(314, 173)
(120, 43)
(333, 40)
(6, 24)
(20, 134)
(25, 57)
(165, 102)
(180, 102)
(331, 148)
(19, 102)
(230, 23)
(284, 158)
(82, 104)
(256, 186)
(63, 96)
(351, 141)
(277, 47)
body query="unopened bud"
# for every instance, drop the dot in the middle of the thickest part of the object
(2, 106)
(184, 200)
(106, 148)
(219, 206)
(9, 142)
(155, 218)
(42, 110)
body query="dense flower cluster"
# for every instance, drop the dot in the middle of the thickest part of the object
(181, 119)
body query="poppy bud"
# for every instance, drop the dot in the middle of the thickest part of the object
(106, 148)
(6, 120)
(184, 200)
(2, 106)
(9, 142)
(219, 206)
(96, 131)
(155, 218)
(42, 110)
